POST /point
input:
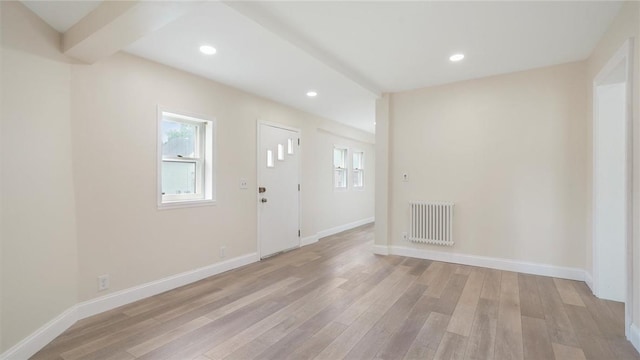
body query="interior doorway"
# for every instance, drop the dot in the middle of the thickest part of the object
(612, 181)
(278, 188)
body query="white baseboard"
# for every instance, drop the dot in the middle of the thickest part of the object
(127, 296)
(588, 279)
(309, 240)
(41, 337)
(380, 249)
(36, 341)
(493, 263)
(345, 227)
(635, 336)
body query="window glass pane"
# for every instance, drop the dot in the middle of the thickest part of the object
(339, 156)
(269, 158)
(358, 179)
(179, 139)
(357, 160)
(340, 178)
(290, 146)
(280, 152)
(178, 177)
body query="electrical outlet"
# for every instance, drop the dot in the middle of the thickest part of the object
(103, 282)
(405, 236)
(223, 252)
(244, 184)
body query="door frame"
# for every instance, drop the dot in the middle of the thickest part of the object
(259, 123)
(623, 55)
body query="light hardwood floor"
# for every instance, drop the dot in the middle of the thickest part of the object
(334, 300)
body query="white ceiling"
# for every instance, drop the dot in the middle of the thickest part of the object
(350, 52)
(62, 15)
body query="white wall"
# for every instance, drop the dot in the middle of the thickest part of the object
(509, 151)
(39, 249)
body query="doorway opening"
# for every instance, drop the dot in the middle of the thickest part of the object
(612, 181)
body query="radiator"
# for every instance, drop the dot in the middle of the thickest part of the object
(431, 223)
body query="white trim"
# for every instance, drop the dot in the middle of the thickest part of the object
(588, 279)
(380, 249)
(634, 336)
(41, 337)
(127, 296)
(623, 54)
(308, 240)
(492, 263)
(345, 227)
(44, 335)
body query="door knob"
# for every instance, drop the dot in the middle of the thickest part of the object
(262, 189)
(264, 200)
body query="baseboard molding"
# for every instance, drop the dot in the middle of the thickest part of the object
(41, 337)
(635, 336)
(380, 249)
(493, 263)
(345, 227)
(588, 279)
(309, 240)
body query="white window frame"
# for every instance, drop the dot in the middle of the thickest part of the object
(355, 170)
(345, 169)
(205, 171)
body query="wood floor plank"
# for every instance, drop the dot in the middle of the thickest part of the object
(481, 344)
(558, 324)
(491, 285)
(530, 304)
(537, 344)
(452, 347)
(567, 292)
(425, 345)
(463, 315)
(563, 352)
(509, 341)
(371, 343)
(306, 301)
(610, 325)
(334, 299)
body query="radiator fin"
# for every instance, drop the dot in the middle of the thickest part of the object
(431, 223)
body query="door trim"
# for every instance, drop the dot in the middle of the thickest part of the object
(260, 122)
(623, 54)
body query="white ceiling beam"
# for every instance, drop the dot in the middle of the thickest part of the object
(249, 10)
(115, 24)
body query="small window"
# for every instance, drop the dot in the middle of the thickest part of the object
(358, 170)
(340, 168)
(280, 152)
(290, 146)
(186, 160)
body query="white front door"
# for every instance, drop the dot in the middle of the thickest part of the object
(278, 189)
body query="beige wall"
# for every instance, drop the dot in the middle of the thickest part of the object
(120, 230)
(626, 25)
(509, 151)
(39, 262)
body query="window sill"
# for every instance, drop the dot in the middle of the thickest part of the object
(185, 204)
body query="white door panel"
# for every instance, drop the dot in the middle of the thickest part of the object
(278, 175)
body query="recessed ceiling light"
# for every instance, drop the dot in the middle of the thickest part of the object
(456, 57)
(207, 49)
(312, 93)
